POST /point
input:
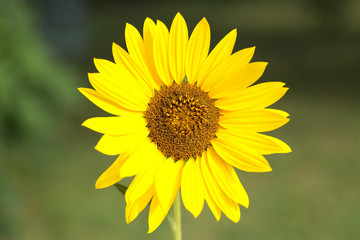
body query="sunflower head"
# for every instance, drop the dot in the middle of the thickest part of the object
(183, 118)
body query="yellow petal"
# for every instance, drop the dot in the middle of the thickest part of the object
(240, 156)
(263, 120)
(228, 206)
(209, 200)
(144, 180)
(116, 125)
(283, 147)
(278, 112)
(222, 50)
(227, 178)
(133, 209)
(261, 143)
(238, 79)
(212, 205)
(112, 174)
(167, 182)
(156, 214)
(105, 103)
(161, 53)
(118, 75)
(129, 67)
(127, 95)
(259, 96)
(114, 145)
(97, 81)
(197, 50)
(177, 47)
(192, 188)
(149, 34)
(228, 69)
(136, 48)
(140, 159)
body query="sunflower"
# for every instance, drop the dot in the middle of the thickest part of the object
(183, 120)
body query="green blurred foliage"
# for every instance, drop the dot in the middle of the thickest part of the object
(36, 95)
(35, 86)
(47, 163)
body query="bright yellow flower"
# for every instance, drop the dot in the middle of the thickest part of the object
(183, 119)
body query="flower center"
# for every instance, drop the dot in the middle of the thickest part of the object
(182, 120)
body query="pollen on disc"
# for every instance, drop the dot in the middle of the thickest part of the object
(182, 120)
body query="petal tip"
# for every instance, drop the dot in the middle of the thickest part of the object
(114, 45)
(246, 203)
(84, 123)
(97, 148)
(196, 214)
(129, 27)
(287, 149)
(178, 14)
(151, 229)
(99, 185)
(204, 21)
(95, 59)
(81, 89)
(127, 217)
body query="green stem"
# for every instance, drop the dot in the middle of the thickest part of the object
(175, 218)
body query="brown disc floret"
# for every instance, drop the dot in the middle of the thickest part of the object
(182, 120)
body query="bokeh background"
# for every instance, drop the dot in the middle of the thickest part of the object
(48, 166)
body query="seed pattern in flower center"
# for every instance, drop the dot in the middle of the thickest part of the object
(182, 120)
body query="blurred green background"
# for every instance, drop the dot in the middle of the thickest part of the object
(48, 166)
